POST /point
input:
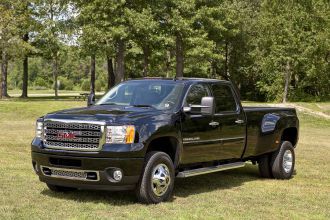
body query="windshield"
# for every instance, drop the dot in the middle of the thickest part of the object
(159, 95)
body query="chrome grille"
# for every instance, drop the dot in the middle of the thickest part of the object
(73, 135)
(75, 126)
(77, 139)
(70, 146)
(67, 173)
(84, 175)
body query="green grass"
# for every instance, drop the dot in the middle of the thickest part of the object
(49, 93)
(236, 194)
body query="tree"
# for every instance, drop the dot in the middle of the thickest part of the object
(11, 43)
(28, 24)
(280, 46)
(54, 17)
(146, 36)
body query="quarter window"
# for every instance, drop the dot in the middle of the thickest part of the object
(196, 93)
(224, 98)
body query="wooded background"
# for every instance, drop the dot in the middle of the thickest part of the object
(272, 50)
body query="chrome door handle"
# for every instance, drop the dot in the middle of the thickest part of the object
(214, 123)
(239, 121)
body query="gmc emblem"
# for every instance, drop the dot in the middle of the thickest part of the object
(67, 134)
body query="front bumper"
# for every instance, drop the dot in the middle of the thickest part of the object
(131, 168)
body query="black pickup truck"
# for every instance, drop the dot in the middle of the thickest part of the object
(143, 134)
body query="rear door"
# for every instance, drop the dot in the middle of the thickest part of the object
(231, 119)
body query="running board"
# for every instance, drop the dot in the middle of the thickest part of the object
(205, 170)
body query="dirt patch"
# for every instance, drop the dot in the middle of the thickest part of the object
(302, 109)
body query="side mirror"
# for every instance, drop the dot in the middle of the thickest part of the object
(205, 108)
(91, 99)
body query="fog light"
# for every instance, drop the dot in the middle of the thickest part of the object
(117, 175)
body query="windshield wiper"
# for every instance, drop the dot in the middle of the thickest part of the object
(110, 103)
(143, 106)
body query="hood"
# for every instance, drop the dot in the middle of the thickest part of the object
(106, 113)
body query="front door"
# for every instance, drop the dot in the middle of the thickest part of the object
(199, 133)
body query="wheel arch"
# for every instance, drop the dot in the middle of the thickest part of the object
(167, 144)
(290, 134)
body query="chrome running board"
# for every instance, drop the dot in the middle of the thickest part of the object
(205, 170)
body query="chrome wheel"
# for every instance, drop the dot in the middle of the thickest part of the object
(160, 179)
(287, 161)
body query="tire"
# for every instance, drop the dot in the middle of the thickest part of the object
(265, 169)
(281, 160)
(157, 180)
(56, 188)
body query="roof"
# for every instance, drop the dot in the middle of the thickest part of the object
(186, 79)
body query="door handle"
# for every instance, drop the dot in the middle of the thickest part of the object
(214, 123)
(239, 121)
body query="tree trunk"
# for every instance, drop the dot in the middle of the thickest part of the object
(146, 53)
(120, 61)
(4, 74)
(167, 64)
(111, 73)
(55, 75)
(179, 56)
(227, 60)
(287, 81)
(25, 70)
(25, 77)
(92, 86)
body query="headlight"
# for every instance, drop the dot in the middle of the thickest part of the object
(120, 134)
(39, 129)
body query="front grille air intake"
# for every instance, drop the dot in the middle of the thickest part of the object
(73, 135)
(84, 175)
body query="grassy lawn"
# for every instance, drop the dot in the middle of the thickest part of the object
(236, 194)
(48, 93)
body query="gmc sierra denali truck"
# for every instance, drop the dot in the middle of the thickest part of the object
(143, 134)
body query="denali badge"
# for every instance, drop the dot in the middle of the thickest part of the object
(68, 134)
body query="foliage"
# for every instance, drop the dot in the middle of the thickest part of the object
(259, 45)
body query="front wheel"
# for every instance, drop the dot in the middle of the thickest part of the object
(283, 161)
(157, 180)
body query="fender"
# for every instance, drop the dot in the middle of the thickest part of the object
(170, 129)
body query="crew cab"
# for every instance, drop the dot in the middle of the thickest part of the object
(144, 133)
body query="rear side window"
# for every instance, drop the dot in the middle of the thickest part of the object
(224, 98)
(196, 93)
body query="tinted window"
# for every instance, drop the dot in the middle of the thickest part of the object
(196, 93)
(224, 99)
(160, 95)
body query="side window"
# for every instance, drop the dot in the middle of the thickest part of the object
(224, 98)
(196, 93)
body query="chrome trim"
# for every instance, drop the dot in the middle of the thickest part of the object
(160, 179)
(205, 170)
(75, 121)
(214, 123)
(57, 147)
(103, 137)
(70, 170)
(287, 161)
(239, 121)
(213, 140)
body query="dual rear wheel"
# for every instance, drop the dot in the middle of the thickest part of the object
(280, 164)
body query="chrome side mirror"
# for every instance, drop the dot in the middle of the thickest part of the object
(205, 108)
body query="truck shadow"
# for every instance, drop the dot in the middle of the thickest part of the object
(183, 187)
